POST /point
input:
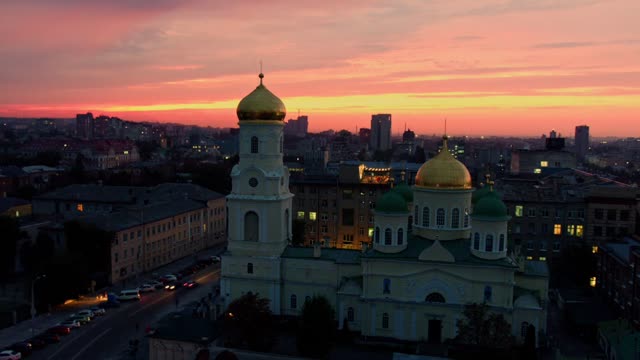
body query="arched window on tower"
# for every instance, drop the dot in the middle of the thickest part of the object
(440, 217)
(466, 218)
(488, 293)
(251, 226)
(387, 236)
(286, 224)
(501, 243)
(254, 144)
(416, 214)
(410, 224)
(250, 268)
(425, 217)
(455, 218)
(385, 321)
(377, 235)
(400, 237)
(281, 144)
(351, 314)
(488, 243)
(476, 241)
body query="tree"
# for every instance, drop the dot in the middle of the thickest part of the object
(10, 230)
(248, 320)
(317, 327)
(481, 328)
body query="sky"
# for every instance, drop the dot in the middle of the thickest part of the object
(490, 67)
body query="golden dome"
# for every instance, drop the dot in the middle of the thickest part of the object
(443, 172)
(261, 104)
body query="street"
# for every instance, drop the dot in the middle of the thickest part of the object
(108, 337)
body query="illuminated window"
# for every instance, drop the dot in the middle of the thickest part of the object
(542, 258)
(544, 163)
(594, 249)
(300, 215)
(537, 171)
(370, 233)
(529, 257)
(557, 229)
(80, 207)
(312, 215)
(17, 213)
(571, 230)
(592, 281)
(519, 210)
(579, 230)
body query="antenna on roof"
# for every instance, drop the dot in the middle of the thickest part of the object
(445, 126)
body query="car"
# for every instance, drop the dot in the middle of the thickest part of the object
(49, 338)
(86, 312)
(168, 278)
(109, 304)
(190, 284)
(24, 348)
(71, 324)
(98, 311)
(146, 288)
(171, 286)
(129, 295)
(216, 259)
(10, 355)
(156, 284)
(82, 319)
(59, 330)
(37, 343)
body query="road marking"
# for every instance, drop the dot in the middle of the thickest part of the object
(90, 343)
(66, 345)
(164, 296)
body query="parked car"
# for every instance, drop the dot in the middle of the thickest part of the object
(190, 284)
(129, 295)
(109, 304)
(49, 338)
(98, 311)
(83, 319)
(71, 324)
(10, 355)
(156, 284)
(86, 312)
(146, 288)
(37, 343)
(24, 348)
(59, 330)
(216, 259)
(171, 286)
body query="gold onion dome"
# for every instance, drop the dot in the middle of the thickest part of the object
(261, 104)
(443, 172)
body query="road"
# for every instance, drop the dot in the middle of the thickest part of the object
(107, 337)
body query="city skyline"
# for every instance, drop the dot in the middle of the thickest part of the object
(498, 68)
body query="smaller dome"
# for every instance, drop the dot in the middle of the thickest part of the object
(261, 104)
(405, 191)
(480, 193)
(490, 206)
(391, 202)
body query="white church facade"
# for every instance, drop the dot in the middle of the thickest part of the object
(436, 246)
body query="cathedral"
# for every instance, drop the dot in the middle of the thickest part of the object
(437, 246)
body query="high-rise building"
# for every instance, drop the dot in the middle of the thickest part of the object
(84, 126)
(380, 132)
(582, 141)
(298, 127)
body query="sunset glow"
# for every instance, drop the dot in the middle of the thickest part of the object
(532, 64)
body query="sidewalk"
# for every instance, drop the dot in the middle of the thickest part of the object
(23, 330)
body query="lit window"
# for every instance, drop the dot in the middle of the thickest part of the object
(544, 163)
(370, 232)
(542, 258)
(300, 215)
(592, 281)
(17, 213)
(579, 230)
(312, 215)
(594, 249)
(529, 257)
(537, 171)
(519, 210)
(557, 229)
(80, 207)
(571, 230)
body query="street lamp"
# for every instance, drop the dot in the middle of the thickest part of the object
(33, 307)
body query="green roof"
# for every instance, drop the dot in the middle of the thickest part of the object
(404, 190)
(478, 194)
(460, 249)
(490, 207)
(391, 202)
(339, 256)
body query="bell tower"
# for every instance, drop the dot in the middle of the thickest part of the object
(259, 205)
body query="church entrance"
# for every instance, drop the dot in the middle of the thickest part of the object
(435, 332)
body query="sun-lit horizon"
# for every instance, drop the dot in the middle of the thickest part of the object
(495, 68)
